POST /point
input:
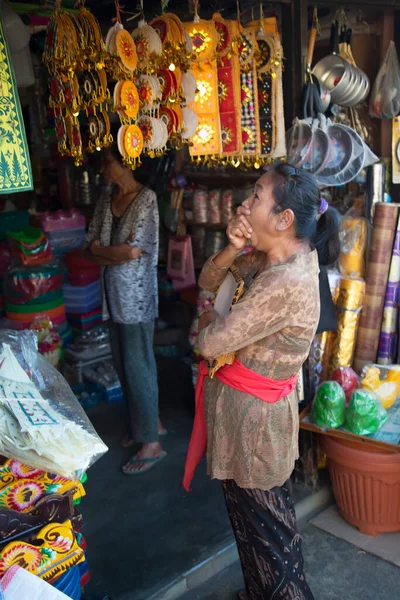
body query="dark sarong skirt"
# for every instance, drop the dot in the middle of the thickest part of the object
(269, 544)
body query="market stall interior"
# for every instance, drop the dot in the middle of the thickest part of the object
(201, 97)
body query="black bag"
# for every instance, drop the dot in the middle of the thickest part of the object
(327, 319)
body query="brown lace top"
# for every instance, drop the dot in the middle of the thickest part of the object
(270, 329)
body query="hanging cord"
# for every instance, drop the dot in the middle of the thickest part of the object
(164, 6)
(261, 30)
(138, 14)
(316, 23)
(118, 12)
(196, 17)
(361, 21)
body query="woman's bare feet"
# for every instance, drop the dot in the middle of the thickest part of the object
(127, 441)
(144, 459)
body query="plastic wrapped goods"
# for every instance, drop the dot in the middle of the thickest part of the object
(387, 389)
(226, 206)
(200, 206)
(353, 240)
(214, 207)
(385, 97)
(365, 414)
(41, 421)
(340, 349)
(329, 406)
(347, 379)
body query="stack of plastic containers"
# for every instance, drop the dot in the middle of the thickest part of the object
(82, 305)
(34, 291)
(82, 293)
(65, 230)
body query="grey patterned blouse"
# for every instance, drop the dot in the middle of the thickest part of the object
(130, 292)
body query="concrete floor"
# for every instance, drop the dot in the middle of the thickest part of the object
(335, 571)
(143, 532)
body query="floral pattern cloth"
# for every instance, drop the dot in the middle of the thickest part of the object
(269, 544)
(130, 290)
(270, 329)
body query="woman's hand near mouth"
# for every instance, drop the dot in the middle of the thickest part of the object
(239, 230)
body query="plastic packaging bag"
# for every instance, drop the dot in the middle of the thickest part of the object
(329, 406)
(347, 379)
(353, 240)
(387, 389)
(385, 97)
(24, 284)
(41, 421)
(365, 414)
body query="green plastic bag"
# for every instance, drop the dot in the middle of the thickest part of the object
(365, 414)
(329, 408)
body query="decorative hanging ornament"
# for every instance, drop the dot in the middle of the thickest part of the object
(190, 123)
(189, 85)
(126, 49)
(204, 38)
(147, 42)
(224, 45)
(132, 141)
(162, 28)
(146, 126)
(129, 99)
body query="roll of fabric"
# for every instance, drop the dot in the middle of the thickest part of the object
(380, 254)
(200, 202)
(387, 352)
(353, 240)
(375, 188)
(214, 209)
(339, 349)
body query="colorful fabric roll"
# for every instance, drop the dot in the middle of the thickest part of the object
(200, 205)
(339, 350)
(15, 164)
(353, 240)
(388, 342)
(226, 206)
(214, 210)
(380, 254)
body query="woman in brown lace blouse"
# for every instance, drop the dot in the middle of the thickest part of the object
(252, 444)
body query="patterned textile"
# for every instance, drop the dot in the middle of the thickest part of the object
(229, 95)
(265, 99)
(130, 290)
(15, 164)
(269, 544)
(207, 139)
(270, 329)
(249, 94)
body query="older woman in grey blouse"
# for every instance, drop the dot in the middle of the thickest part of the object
(123, 240)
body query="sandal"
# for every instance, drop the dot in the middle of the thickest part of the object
(149, 462)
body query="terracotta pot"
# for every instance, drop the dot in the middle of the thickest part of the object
(366, 485)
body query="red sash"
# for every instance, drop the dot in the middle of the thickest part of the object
(242, 379)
